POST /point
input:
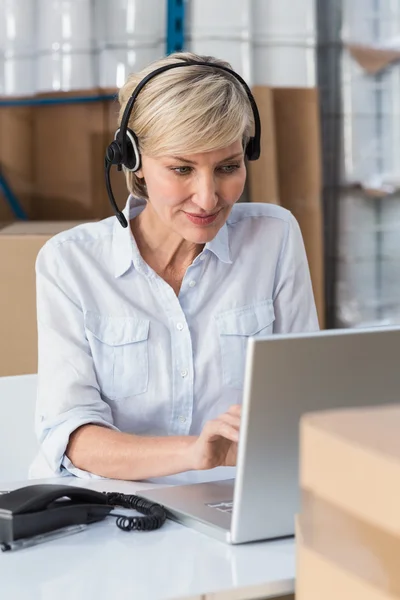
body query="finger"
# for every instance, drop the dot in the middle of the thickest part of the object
(220, 428)
(233, 420)
(235, 409)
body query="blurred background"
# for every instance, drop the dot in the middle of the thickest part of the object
(326, 77)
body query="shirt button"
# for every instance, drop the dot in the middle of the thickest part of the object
(192, 283)
(184, 373)
(182, 419)
(179, 326)
(202, 257)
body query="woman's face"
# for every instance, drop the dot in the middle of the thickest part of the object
(193, 194)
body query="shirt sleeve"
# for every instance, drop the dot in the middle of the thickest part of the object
(68, 391)
(294, 303)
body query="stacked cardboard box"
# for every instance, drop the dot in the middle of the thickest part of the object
(16, 156)
(52, 156)
(289, 169)
(348, 530)
(19, 247)
(70, 140)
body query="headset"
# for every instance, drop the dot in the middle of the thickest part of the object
(124, 149)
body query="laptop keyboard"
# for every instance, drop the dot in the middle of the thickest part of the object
(225, 507)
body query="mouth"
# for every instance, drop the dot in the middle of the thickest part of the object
(202, 220)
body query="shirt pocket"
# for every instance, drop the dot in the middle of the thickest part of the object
(119, 347)
(235, 326)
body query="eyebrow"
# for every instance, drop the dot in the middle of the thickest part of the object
(192, 162)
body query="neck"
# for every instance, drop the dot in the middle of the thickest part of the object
(162, 249)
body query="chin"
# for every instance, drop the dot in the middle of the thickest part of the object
(200, 235)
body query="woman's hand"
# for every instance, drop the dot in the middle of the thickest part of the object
(217, 444)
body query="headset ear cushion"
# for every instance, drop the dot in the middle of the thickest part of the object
(252, 149)
(132, 159)
(113, 153)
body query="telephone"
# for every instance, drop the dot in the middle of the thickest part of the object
(38, 509)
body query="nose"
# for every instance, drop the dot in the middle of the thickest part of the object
(205, 194)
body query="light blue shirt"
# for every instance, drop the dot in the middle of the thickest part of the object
(118, 348)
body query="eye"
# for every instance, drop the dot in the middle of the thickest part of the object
(228, 169)
(182, 170)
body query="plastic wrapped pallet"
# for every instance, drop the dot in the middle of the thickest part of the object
(369, 202)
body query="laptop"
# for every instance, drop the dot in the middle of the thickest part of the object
(285, 377)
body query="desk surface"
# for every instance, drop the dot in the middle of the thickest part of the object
(103, 562)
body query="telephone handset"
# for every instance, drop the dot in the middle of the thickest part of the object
(38, 509)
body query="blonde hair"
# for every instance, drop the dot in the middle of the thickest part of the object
(185, 111)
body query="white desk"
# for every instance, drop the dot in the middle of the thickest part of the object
(102, 562)
(17, 405)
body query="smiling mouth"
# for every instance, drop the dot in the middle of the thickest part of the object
(202, 216)
(202, 219)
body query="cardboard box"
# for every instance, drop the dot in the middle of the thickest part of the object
(52, 156)
(263, 173)
(70, 144)
(348, 532)
(19, 246)
(299, 157)
(351, 459)
(16, 156)
(289, 169)
(366, 553)
(353, 577)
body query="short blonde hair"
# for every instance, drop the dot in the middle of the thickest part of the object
(186, 111)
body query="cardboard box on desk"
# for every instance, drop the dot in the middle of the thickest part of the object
(349, 527)
(19, 246)
(70, 143)
(351, 459)
(353, 573)
(16, 155)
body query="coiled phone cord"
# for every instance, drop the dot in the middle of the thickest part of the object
(155, 514)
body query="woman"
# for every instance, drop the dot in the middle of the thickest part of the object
(142, 331)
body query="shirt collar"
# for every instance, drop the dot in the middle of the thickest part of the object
(220, 245)
(125, 249)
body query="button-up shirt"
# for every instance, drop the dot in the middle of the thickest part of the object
(117, 346)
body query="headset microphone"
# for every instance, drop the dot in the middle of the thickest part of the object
(124, 149)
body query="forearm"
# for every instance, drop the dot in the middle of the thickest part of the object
(118, 455)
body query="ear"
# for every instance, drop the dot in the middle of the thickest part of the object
(139, 173)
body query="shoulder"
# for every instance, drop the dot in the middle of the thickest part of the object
(247, 211)
(253, 220)
(268, 229)
(84, 237)
(85, 233)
